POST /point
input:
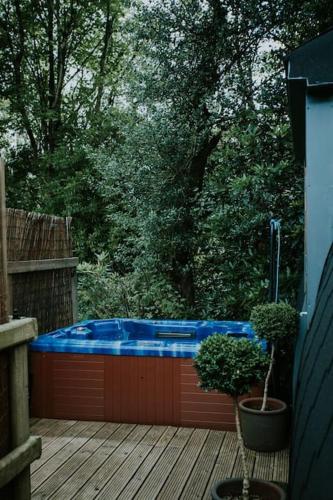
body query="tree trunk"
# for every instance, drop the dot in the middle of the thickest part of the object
(183, 266)
(104, 57)
(268, 376)
(246, 480)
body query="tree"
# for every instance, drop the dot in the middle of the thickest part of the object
(191, 53)
(198, 107)
(61, 64)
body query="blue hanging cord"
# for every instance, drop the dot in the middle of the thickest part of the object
(276, 227)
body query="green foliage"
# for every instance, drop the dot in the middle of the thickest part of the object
(103, 293)
(162, 128)
(275, 322)
(229, 365)
(250, 181)
(61, 63)
(207, 158)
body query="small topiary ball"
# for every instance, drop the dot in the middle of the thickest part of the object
(273, 322)
(230, 365)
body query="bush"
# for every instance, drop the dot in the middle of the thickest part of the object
(103, 293)
(229, 365)
(274, 322)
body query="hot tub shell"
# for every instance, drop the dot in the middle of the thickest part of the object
(143, 386)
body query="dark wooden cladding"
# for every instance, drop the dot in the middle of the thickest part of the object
(131, 389)
(312, 444)
(63, 385)
(210, 410)
(141, 390)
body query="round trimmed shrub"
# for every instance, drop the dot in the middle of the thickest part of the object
(230, 365)
(274, 322)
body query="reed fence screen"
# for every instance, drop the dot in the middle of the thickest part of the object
(45, 293)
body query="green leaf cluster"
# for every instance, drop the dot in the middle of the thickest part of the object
(230, 365)
(275, 322)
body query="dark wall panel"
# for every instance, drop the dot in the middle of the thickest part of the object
(312, 446)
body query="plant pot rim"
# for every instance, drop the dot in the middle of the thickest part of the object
(281, 406)
(274, 486)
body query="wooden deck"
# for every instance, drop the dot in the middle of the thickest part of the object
(88, 460)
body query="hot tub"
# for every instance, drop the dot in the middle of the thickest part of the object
(126, 370)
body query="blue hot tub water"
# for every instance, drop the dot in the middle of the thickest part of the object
(131, 337)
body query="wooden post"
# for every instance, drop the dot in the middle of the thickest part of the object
(3, 240)
(18, 368)
(74, 295)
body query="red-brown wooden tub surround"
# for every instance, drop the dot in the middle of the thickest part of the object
(135, 389)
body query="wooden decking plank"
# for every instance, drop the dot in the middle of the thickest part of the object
(145, 468)
(50, 488)
(60, 428)
(43, 426)
(63, 455)
(112, 464)
(33, 421)
(154, 482)
(95, 461)
(281, 466)
(175, 483)
(87, 460)
(224, 463)
(197, 482)
(264, 466)
(58, 444)
(237, 471)
(118, 481)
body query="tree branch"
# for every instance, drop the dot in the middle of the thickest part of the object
(19, 79)
(104, 56)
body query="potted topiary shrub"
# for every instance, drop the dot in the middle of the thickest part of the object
(232, 366)
(265, 421)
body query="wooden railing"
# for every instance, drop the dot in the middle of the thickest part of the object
(15, 466)
(14, 338)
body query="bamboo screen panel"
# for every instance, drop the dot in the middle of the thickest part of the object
(45, 295)
(32, 236)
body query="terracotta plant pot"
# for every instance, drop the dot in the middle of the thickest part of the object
(233, 487)
(264, 430)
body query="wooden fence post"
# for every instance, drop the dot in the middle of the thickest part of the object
(19, 396)
(3, 244)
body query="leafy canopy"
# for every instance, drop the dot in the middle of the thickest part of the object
(162, 128)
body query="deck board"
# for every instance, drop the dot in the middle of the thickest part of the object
(97, 460)
(76, 462)
(176, 481)
(114, 487)
(158, 475)
(45, 473)
(148, 464)
(110, 467)
(201, 472)
(58, 444)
